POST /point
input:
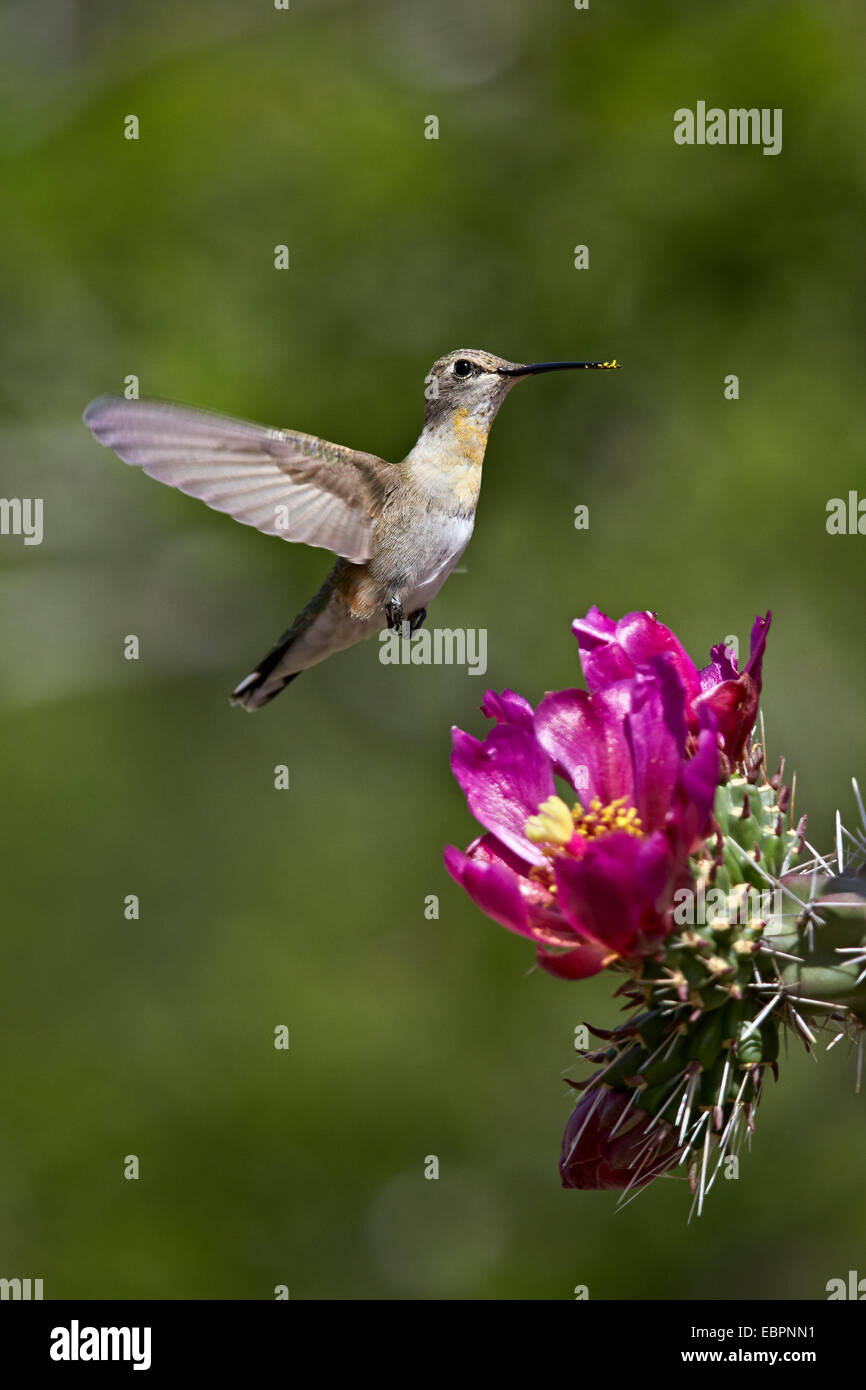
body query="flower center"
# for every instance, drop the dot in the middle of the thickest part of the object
(555, 826)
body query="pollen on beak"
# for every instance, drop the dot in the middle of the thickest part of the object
(534, 367)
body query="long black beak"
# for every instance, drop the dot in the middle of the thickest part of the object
(535, 367)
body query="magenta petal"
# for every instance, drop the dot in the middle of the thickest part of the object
(508, 708)
(734, 705)
(611, 652)
(492, 886)
(734, 702)
(492, 851)
(758, 645)
(504, 779)
(576, 964)
(496, 881)
(734, 698)
(603, 661)
(611, 893)
(656, 730)
(722, 667)
(723, 664)
(594, 630)
(699, 778)
(642, 637)
(586, 738)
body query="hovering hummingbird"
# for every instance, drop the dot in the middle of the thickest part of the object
(398, 529)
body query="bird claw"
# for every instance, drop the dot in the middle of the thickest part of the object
(397, 621)
(394, 614)
(416, 619)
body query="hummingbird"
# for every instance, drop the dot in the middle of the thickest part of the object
(397, 529)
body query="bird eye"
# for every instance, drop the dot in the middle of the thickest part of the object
(463, 368)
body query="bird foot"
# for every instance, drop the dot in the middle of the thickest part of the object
(394, 614)
(416, 619)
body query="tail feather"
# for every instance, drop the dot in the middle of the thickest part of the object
(261, 685)
(250, 692)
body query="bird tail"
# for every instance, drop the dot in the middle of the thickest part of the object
(270, 675)
(256, 689)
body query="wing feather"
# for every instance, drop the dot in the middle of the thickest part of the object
(286, 484)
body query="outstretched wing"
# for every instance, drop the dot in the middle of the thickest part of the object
(286, 484)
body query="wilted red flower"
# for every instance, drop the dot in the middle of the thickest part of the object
(608, 1143)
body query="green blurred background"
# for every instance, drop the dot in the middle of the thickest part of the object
(409, 1037)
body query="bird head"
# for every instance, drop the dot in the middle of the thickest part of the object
(475, 383)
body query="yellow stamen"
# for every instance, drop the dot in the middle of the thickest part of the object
(553, 824)
(598, 820)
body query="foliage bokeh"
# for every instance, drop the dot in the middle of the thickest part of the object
(409, 1037)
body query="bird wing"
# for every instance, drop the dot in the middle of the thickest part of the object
(286, 484)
